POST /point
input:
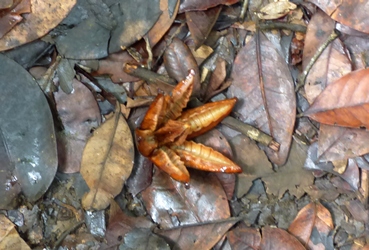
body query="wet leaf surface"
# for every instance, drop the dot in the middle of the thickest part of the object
(107, 162)
(170, 204)
(257, 99)
(28, 135)
(198, 236)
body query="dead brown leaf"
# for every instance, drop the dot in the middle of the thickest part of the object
(276, 238)
(312, 216)
(350, 13)
(170, 204)
(9, 237)
(107, 162)
(268, 104)
(332, 64)
(344, 102)
(34, 24)
(198, 236)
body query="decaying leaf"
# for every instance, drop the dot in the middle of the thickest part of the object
(344, 102)
(34, 25)
(350, 13)
(107, 162)
(269, 104)
(313, 216)
(9, 237)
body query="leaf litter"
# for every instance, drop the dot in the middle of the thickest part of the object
(259, 70)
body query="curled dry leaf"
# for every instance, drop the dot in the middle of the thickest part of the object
(269, 104)
(107, 162)
(344, 102)
(34, 25)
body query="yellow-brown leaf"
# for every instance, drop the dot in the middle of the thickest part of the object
(107, 162)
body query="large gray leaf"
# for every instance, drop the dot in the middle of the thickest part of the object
(28, 131)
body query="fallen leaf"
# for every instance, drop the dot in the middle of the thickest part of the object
(134, 19)
(350, 13)
(178, 61)
(338, 143)
(276, 238)
(198, 236)
(243, 237)
(269, 105)
(332, 64)
(275, 10)
(120, 224)
(34, 26)
(253, 161)
(170, 203)
(11, 15)
(9, 237)
(200, 23)
(313, 216)
(343, 102)
(188, 5)
(79, 114)
(107, 162)
(169, 12)
(32, 152)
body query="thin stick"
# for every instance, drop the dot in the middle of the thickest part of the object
(251, 132)
(285, 26)
(302, 78)
(245, 5)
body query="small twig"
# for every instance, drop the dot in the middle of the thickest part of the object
(149, 52)
(147, 75)
(302, 78)
(279, 25)
(251, 132)
(245, 5)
